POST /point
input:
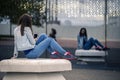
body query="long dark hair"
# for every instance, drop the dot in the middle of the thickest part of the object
(25, 21)
(53, 33)
(83, 34)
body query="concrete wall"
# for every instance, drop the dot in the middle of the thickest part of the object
(4, 29)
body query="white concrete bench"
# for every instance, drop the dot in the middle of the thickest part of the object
(91, 55)
(34, 69)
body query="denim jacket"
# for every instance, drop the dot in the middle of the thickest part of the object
(81, 41)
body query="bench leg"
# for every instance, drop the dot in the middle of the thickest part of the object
(34, 76)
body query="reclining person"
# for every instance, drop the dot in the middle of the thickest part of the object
(24, 41)
(86, 44)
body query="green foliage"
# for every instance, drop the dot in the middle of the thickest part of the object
(15, 8)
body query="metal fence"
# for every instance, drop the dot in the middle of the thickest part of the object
(100, 17)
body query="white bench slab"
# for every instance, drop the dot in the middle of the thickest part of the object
(34, 69)
(90, 55)
(92, 59)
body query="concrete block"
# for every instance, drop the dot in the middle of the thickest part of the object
(34, 69)
(91, 55)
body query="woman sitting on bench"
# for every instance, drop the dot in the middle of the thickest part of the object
(86, 44)
(24, 41)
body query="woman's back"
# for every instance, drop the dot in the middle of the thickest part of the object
(22, 41)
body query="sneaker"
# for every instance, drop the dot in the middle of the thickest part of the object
(105, 49)
(55, 55)
(97, 48)
(69, 56)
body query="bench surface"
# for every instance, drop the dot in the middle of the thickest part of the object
(35, 65)
(90, 53)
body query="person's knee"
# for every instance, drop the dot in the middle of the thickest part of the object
(96, 40)
(50, 38)
(44, 35)
(91, 39)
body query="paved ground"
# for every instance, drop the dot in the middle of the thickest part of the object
(81, 70)
(91, 74)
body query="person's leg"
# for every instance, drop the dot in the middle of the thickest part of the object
(41, 38)
(38, 49)
(89, 44)
(49, 49)
(102, 47)
(98, 43)
(43, 45)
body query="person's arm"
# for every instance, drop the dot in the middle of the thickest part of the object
(30, 36)
(15, 54)
(78, 40)
(85, 39)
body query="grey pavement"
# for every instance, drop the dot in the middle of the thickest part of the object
(81, 70)
(91, 74)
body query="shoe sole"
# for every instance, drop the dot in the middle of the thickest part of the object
(65, 58)
(56, 58)
(70, 58)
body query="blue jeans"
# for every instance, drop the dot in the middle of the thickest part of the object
(92, 42)
(41, 38)
(44, 42)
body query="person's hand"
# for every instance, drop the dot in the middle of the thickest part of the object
(14, 56)
(35, 39)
